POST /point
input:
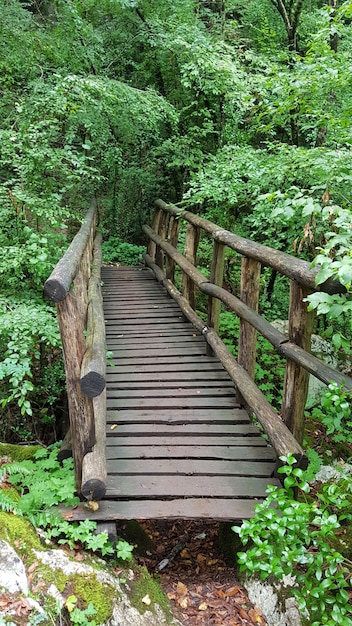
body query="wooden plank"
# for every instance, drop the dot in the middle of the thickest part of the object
(221, 452)
(170, 385)
(171, 378)
(145, 317)
(172, 393)
(164, 486)
(174, 416)
(161, 302)
(149, 333)
(157, 326)
(194, 467)
(146, 352)
(187, 442)
(219, 509)
(164, 361)
(184, 430)
(156, 340)
(172, 368)
(128, 403)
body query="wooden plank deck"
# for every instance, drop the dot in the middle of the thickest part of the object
(179, 445)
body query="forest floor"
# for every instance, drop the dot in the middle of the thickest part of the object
(187, 560)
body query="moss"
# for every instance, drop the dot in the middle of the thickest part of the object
(144, 585)
(85, 587)
(18, 453)
(19, 533)
(89, 589)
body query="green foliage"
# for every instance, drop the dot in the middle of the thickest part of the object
(334, 412)
(296, 538)
(80, 616)
(32, 378)
(45, 483)
(115, 250)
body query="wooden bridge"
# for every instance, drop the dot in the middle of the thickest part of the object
(166, 429)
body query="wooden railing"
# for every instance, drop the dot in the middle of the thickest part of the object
(285, 432)
(75, 287)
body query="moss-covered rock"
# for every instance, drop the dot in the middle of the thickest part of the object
(57, 578)
(18, 453)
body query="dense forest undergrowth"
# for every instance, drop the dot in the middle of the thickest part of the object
(239, 110)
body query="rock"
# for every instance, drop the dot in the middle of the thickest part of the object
(51, 577)
(275, 600)
(333, 472)
(13, 575)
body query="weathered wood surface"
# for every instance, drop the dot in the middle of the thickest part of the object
(94, 472)
(296, 377)
(59, 282)
(250, 281)
(94, 360)
(80, 406)
(178, 444)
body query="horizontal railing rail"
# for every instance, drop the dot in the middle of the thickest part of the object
(75, 287)
(285, 431)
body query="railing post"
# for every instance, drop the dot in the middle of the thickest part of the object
(190, 253)
(297, 378)
(217, 278)
(79, 405)
(155, 227)
(71, 304)
(250, 279)
(174, 226)
(160, 255)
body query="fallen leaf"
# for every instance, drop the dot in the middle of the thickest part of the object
(256, 615)
(183, 602)
(93, 506)
(203, 606)
(146, 600)
(184, 554)
(113, 426)
(32, 567)
(201, 558)
(181, 589)
(232, 591)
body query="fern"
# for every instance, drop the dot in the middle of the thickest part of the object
(8, 504)
(43, 484)
(8, 469)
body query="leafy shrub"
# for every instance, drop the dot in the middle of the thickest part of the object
(334, 412)
(45, 483)
(31, 378)
(298, 538)
(115, 250)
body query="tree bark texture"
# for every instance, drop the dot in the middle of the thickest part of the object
(93, 368)
(296, 377)
(80, 406)
(59, 282)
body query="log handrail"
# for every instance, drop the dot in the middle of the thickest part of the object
(286, 432)
(75, 287)
(286, 264)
